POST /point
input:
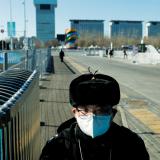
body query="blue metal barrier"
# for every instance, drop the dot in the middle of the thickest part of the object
(39, 59)
(19, 103)
(19, 115)
(50, 62)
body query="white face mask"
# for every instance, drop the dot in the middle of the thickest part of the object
(93, 125)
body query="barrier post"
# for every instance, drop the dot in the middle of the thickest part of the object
(26, 60)
(5, 62)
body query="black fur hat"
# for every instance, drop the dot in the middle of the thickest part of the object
(96, 89)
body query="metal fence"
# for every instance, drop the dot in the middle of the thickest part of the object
(40, 59)
(19, 115)
(19, 103)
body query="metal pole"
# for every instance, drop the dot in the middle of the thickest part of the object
(2, 31)
(27, 60)
(5, 62)
(2, 43)
(24, 3)
(11, 10)
(33, 59)
(11, 25)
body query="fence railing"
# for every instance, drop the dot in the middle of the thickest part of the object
(40, 59)
(19, 102)
(19, 115)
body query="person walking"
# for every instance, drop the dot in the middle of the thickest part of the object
(91, 134)
(106, 52)
(61, 55)
(125, 53)
(111, 52)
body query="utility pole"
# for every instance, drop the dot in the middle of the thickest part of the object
(25, 40)
(24, 3)
(11, 29)
(2, 31)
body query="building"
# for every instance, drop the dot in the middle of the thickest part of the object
(153, 29)
(45, 19)
(125, 28)
(88, 28)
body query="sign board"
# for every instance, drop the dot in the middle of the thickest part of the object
(2, 30)
(11, 28)
(61, 37)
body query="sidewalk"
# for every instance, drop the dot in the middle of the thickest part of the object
(54, 102)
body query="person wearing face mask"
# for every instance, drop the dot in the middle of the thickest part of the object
(92, 134)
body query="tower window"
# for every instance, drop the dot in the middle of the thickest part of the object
(76, 22)
(116, 22)
(154, 23)
(45, 6)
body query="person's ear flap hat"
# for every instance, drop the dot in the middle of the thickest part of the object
(97, 89)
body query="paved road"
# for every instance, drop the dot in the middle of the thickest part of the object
(142, 79)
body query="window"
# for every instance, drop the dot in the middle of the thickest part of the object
(76, 22)
(154, 23)
(45, 6)
(116, 22)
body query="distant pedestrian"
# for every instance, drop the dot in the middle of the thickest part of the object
(111, 52)
(106, 52)
(125, 54)
(61, 55)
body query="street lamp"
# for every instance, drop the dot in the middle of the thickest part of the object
(24, 3)
(11, 25)
(2, 31)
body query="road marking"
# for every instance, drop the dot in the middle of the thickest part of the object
(79, 67)
(150, 119)
(123, 116)
(82, 70)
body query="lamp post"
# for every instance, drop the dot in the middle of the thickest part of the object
(11, 29)
(24, 3)
(2, 31)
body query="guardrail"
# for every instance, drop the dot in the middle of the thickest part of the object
(19, 102)
(19, 115)
(40, 59)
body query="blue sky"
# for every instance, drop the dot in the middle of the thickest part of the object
(107, 10)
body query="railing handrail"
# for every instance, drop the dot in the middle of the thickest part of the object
(31, 59)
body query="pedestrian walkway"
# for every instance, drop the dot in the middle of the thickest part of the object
(54, 102)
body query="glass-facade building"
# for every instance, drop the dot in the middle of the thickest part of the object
(88, 28)
(123, 28)
(153, 29)
(45, 19)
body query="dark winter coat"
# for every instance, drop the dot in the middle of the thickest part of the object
(61, 54)
(71, 143)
